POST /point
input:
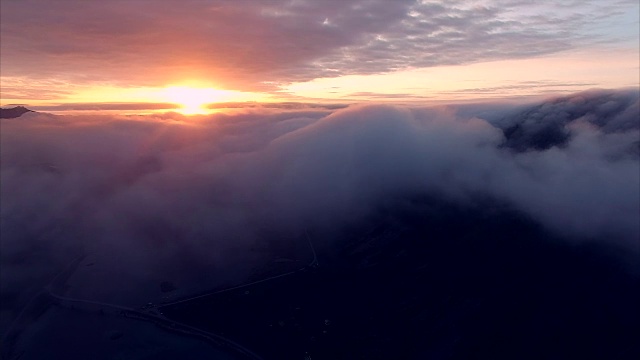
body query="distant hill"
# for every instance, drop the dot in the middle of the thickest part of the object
(14, 112)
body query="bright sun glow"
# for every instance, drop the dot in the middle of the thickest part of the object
(192, 100)
(190, 97)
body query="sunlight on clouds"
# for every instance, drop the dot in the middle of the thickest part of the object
(189, 98)
(192, 100)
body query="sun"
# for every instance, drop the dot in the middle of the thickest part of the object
(192, 100)
(188, 98)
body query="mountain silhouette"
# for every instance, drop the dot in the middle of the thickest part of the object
(10, 113)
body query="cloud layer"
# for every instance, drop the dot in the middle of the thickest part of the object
(172, 195)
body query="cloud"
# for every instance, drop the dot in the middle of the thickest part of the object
(387, 96)
(108, 106)
(283, 41)
(276, 105)
(538, 86)
(550, 124)
(172, 197)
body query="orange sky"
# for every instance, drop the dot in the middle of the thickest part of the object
(143, 55)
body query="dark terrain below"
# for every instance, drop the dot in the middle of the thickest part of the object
(425, 279)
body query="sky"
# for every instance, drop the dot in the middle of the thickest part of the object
(141, 55)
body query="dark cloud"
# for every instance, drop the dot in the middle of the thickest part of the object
(258, 44)
(168, 198)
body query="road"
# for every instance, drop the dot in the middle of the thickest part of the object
(159, 320)
(312, 264)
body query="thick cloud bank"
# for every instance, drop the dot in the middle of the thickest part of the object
(549, 124)
(172, 193)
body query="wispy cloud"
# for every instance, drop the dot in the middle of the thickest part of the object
(538, 86)
(276, 105)
(88, 106)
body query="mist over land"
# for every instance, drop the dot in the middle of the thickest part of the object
(213, 200)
